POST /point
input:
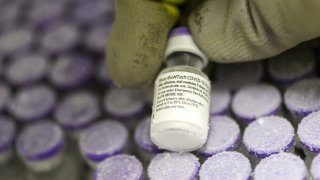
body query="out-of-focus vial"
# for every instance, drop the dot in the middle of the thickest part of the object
(268, 135)
(226, 166)
(10, 13)
(71, 71)
(302, 98)
(33, 103)
(120, 167)
(235, 75)
(172, 166)
(309, 135)
(5, 96)
(103, 140)
(315, 168)
(281, 166)
(96, 38)
(27, 70)
(77, 111)
(181, 102)
(256, 100)
(291, 66)
(224, 135)
(220, 100)
(40, 146)
(7, 137)
(146, 149)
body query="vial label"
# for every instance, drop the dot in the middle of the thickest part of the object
(181, 96)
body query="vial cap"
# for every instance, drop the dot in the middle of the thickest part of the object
(220, 100)
(103, 139)
(7, 133)
(315, 167)
(96, 38)
(16, 41)
(180, 40)
(4, 96)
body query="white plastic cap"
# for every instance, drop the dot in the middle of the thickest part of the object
(180, 40)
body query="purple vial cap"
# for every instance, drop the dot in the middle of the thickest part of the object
(315, 167)
(226, 166)
(9, 13)
(15, 41)
(124, 104)
(142, 136)
(303, 97)
(103, 139)
(78, 111)
(97, 37)
(234, 76)
(224, 135)
(120, 167)
(220, 100)
(268, 135)
(4, 96)
(309, 132)
(71, 71)
(33, 103)
(27, 70)
(179, 31)
(173, 166)
(7, 133)
(40, 141)
(256, 100)
(281, 166)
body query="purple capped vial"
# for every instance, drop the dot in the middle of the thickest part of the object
(103, 140)
(7, 136)
(282, 166)
(125, 104)
(315, 168)
(234, 76)
(268, 135)
(77, 111)
(27, 70)
(5, 96)
(224, 135)
(226, 166)
(40, 146)
(120, 167)
(96, 38)
(256, 100)
(302, 98)
(172, 166)
(71, 71)
(220, 100)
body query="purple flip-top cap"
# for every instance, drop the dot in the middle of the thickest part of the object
(120, 167)
(103, 140)
(268, 135)
(172, 166)
(27, 70)
(281, 166)
(226, 166)
(179, 31)
(124, 103)
(102, 73)
(33, 103)
(303, 97)
(315, 167)
(78, 110)
(60, 38)
(291, 66)
(4, 96)
(224, 135)
(7, 133)
(309, 132)
(220, 100)
(71, 71)
(40, 141)
(234, 76)
(142, 137)
(256, 100)
(96, 38)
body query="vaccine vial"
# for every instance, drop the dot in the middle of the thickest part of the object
(315, 167)
(181, 103)
(220, 100)
(226, 165)
(172, 166)
(281, 166)
(7, 137)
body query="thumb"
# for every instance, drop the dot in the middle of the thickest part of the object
(241, 30)
(137, 41)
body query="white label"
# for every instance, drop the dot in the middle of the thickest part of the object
(181, 96)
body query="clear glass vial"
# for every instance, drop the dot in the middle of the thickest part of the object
(181, 97)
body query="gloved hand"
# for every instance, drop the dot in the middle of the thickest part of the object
(225, 30)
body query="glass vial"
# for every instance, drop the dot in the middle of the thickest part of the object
(181, 97)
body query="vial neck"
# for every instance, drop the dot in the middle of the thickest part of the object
(184, 59)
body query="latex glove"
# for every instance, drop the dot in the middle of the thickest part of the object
(226, 30)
